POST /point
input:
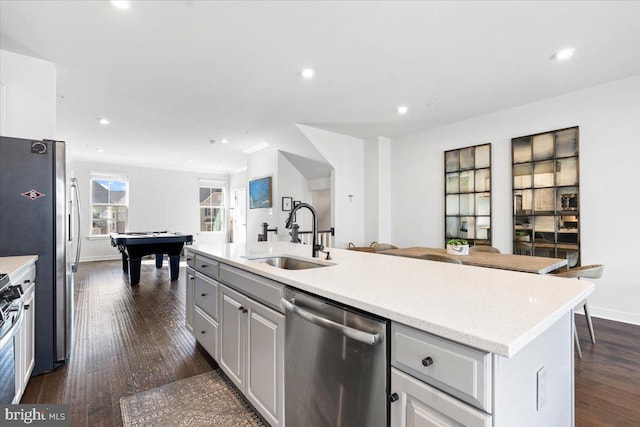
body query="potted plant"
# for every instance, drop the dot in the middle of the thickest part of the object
(457, 247)
(522, 236)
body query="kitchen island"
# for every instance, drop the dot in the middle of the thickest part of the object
(512, 331)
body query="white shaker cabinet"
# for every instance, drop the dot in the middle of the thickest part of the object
(420, 405)
(437, 382)
(24, 338)
(252, 352)
(234, 316)
(265, 361)
(205, 313)
(190, 303)
(232, 339)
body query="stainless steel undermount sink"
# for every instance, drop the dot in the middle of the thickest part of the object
(288, 263)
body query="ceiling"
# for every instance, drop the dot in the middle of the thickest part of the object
(173, 75)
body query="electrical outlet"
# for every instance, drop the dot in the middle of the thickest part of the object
(542, 388)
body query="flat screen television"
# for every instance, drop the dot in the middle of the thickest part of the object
(260, 193)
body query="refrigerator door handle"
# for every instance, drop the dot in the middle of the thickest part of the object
(76, 193)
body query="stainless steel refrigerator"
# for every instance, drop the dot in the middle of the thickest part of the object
(39, 216)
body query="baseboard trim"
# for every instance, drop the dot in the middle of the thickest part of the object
(618, 316)
(100, 258)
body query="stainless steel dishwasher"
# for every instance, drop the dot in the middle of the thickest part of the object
(336, 365)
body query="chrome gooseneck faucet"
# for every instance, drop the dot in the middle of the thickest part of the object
(315, 246)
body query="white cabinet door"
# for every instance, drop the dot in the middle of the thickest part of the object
(190, 302)
(420, 405)
(24, 344)
(29, 337)
(265, 361)
(232, 326)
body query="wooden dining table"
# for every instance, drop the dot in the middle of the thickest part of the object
(524, 263)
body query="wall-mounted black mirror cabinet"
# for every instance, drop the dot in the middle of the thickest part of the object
(467, 191)
(546, 195)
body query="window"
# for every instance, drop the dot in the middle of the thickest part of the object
(109, 204)
(211, 206)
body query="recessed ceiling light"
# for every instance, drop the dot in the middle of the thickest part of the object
(189, 160)
(307, 73)
(403, 109)
(564, 54)
(99, 150)
(103, 121)
(224, 140)
(121, 4)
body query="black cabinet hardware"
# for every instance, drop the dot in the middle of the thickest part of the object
(427, 361)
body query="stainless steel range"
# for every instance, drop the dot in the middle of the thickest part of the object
(11, 314)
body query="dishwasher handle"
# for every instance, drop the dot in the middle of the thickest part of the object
(347, 331)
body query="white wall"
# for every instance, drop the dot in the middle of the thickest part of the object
(371, 174)
(609, 120)
(158, 200)
(29, 99)
(321, 201)
(291, 183)
(346, 155)
(377, 170)
(260, 164)
(384, 190)
(238, 180)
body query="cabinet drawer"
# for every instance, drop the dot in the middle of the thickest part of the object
(206, 295)
(459, 370)
(25, 278)
(206, 266)
(206, 332)
(419, 404)
(191, 259)
(259, 288)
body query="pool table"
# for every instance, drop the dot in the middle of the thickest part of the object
(134, 245)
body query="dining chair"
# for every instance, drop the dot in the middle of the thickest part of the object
(483, 248)
(523, 248)
(592, 271)
(441, 258)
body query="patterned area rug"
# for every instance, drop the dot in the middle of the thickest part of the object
(208, 399)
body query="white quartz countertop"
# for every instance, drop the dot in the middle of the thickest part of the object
(493, 310)
(13, 265)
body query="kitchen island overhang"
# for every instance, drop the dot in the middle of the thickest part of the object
(493, 310)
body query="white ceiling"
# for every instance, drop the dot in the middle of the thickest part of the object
(171, 75)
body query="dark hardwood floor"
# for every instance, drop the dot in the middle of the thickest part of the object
(127, 339)
(130, 339)
(607, 378)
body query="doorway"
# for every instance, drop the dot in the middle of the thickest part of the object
(239, 216)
